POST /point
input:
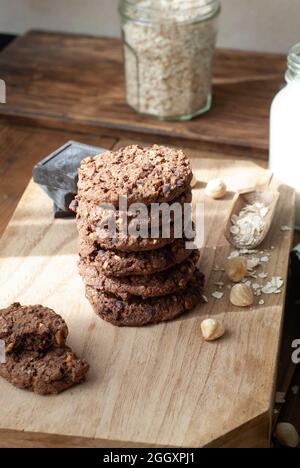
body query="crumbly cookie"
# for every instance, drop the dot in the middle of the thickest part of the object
(116, 263)
(44, 372)
(145, 175)
(159, 284)
(89, 240)
(136, 312)
(95, 214)
(31, 328)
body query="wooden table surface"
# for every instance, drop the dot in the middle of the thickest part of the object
(153, 386)
(76, 82)
(63, 86)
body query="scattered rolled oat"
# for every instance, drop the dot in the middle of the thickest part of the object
(217, 295)
(248, 251)
(204, 298)
(262, 275)
(285, 228)
(280, 398)
(220, 284)
(252, 263)
(261, 302)
(217, 268)
(265, 259)
(273, 286)
(233, 254)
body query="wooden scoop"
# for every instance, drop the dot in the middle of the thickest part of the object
(268, 198)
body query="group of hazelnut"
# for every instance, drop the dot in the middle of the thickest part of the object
(241, 295)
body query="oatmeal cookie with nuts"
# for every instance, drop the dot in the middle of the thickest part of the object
(159, 284)
(95, 214)
(116, 263)
(44, 372)
(135, 312)
(142, 175)
(31, 328)
(91, 239)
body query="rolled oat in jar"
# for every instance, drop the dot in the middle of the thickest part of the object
(168, 50)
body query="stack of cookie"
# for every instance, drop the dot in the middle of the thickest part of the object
(136, 279)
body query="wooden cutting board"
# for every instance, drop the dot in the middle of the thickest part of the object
(155, 386)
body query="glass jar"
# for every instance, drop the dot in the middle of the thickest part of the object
(285, 129)
(168, 49)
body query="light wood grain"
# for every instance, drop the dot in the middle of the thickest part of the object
(71, 82)
(156, 386)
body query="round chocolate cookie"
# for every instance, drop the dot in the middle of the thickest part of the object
(114, 263)
(90, 239)
(145, 175)
(95, 214)
(136, 312)
(159, 284)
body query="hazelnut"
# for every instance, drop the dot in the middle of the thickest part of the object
(69, 358)
(60, 338)
(194, 182)
(216, 189)
(9, 348)
(236, 269)
(241, 295)
(287, 435)
(212, 329)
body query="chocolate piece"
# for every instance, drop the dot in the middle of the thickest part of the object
(57, 173)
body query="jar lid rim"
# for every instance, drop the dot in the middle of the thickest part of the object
(207, 3)
(208, 9)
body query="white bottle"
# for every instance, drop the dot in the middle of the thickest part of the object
(285, 129)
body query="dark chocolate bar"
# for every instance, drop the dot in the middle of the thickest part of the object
(57, 174)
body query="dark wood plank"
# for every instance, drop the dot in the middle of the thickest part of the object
(70, 82)
(21, 148)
